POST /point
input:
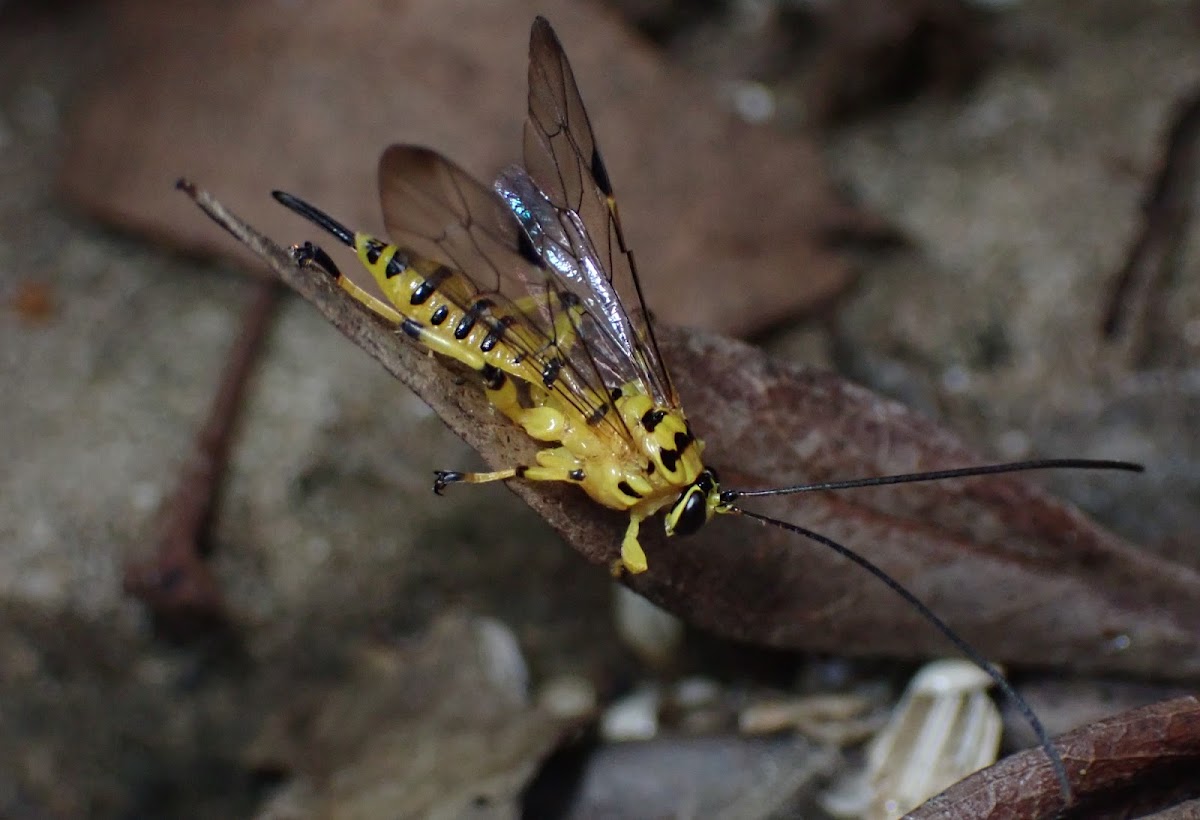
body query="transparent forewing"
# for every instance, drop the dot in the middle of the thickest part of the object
(575, 276)
(440, 211)
(436, 209)
(563, 160)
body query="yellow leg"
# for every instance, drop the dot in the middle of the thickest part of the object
(310, 254)
(484, 478)
(446, 477)
(557, 464)
(373, 302)
(553, 465)
(633, 557)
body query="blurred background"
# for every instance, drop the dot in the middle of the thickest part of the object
(982, 209)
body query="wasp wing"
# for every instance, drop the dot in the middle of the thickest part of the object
(438, 210)
(573, 276)
(588, 256)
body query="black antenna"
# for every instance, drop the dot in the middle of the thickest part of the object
(976, 657)
(729, 496)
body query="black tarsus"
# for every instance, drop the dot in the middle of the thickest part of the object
(443, 478)
(315, 215)
(310, 254)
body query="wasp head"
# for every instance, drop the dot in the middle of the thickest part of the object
(695, 505)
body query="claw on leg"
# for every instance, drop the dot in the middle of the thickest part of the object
(442, 478)
(314, 255)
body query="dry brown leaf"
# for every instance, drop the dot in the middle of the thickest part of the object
(1130, 765)
(732, 219)
(1026, 578)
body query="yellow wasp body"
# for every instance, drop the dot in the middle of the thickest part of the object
(526, 283)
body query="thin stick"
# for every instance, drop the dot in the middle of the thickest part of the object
(176, 583)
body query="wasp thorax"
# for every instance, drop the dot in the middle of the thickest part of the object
(666, 437)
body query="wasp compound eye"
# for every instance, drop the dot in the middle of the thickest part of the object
(693, 512)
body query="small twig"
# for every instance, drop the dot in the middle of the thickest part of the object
(1136, 293)
(176, 583)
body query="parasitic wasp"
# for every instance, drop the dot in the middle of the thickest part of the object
(530, 283)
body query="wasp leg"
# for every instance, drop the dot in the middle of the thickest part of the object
(443, 478)
(633, 557)
(310, 254)
(556, 464)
